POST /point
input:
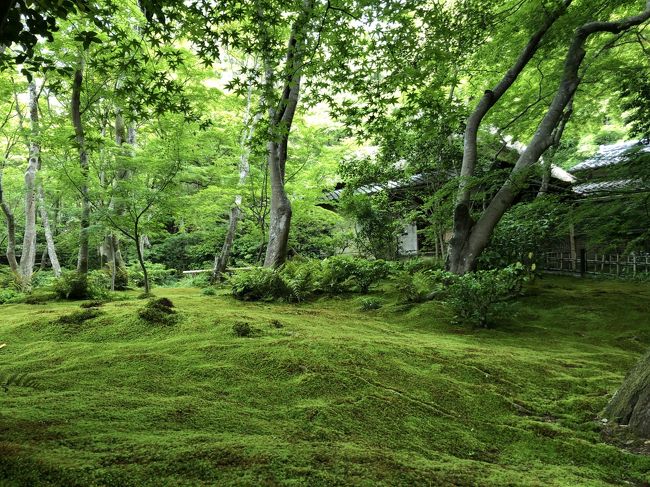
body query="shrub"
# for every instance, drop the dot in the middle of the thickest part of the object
(370, 303)
(10, 295)
(92, 304)
(195, 280)
(209, 291)
(260, 283)
(242, 329)
(419, 286)
(158, 311)
(300, 279)
(72, 285)
(158, 274)
(476, 296)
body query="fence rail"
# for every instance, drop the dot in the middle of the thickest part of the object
(584, 262)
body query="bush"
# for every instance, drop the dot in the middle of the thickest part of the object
(158, 274)
(10, 296)
(158, 311)
(476, 296)
(74, 286)
(299, 280)
(209, 291)
(420, 286)
(201, 280)
(260, 283)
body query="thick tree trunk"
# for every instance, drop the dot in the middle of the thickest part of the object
(463, 221)
(470, 239)
(281, 120)
(82, 261)
(139, 245)
(49, 238)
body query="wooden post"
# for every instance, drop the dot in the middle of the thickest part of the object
(572, 243)
(633, 264)
(583, 262)
(618, 265)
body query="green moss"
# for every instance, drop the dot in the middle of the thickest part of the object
(334, 396)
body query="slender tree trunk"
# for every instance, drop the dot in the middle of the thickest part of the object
(281, 120)
(47, 229)
(82, 261)
(470, 239)
(221, 259)
(11, 231)
(139, 245)
(28, 256)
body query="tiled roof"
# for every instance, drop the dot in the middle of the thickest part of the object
(607, 187)
(611, 155)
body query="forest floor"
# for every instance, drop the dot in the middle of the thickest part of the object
(322, 393)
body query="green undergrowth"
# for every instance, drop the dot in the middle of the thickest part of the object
(332, 392)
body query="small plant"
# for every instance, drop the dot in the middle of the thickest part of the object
(10, 296)
(79, 317)
(476, 296)
(158, 311)
(260, 283)
(92, 304)
(242, 329)
(276, 324)
(209, 291)
(369, 304)
(74, 286)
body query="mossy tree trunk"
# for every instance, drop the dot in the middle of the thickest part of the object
(630, 405)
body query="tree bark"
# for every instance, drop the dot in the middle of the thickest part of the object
(462, 213)
(281, 120)
(11, 231)
(82, 261)
(221, 259)
(47, 229)
(470, 239)
(28, 255)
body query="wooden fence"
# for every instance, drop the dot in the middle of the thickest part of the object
(584, 262)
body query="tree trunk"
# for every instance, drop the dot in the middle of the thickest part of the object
(630, 405)
(462, 218)
(47, 229)
(11, 231)
(28, 255)
(221, 259)
(470, 239)
(139, 245)
(82, 261)
(280, 123)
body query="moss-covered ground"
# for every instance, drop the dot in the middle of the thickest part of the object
(320, 393)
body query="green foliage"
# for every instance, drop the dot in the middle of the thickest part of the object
(158, 274)
(476, 297)
(209, 291)
(370, 303)
(419, 286)
(8, 295)
(158, 311)
(72, 285)
(299, 279)
(526, 228)
(379, 222)
(259, 283)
